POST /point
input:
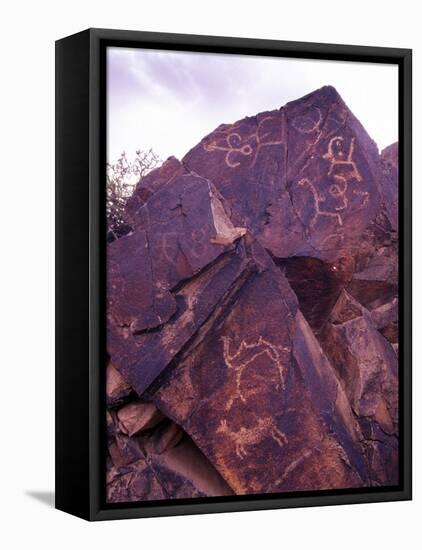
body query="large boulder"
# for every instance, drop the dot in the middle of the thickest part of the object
(252, 313)
(366, 364)
(304, 178)
(156, 466)
(252, 385)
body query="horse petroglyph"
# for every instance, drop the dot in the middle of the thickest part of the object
(246, 353)
(264, 427)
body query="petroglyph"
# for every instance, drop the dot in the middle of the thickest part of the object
(245, 355)
(306, 124)
(338, 239)
(339, 189)
(364, 194)
(233, 144)
(336, 156)
(243, 437)
(318, 200)
(260, 137)
(296, 462)
(198, 242)
(166, 250)
(231, 148)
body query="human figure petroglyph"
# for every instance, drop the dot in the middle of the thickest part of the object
(243, 437)
(337, 158)
(339, 189)
(233, 144)
(242, 357)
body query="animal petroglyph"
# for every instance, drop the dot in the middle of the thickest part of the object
(235, 144)
(237, 360)
(243, 437)
(247, 353)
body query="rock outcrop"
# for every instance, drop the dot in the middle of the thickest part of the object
(252, 313)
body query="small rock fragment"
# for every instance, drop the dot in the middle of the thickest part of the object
(138, 416)
(116, 386)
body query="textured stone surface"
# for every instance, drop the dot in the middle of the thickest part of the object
(137, 416)
(253, 313)
(135, 471)
(253, 386)
(305, 178)
(117, 389)
(367, 368)
(165, 437)
(317, 284)
(390, 192)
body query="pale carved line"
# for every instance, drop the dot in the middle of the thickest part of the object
(295, 463)
(246, 150)
(265, 426)
(339, 189)
(266, 348)
(313, 128)
(364, 194)
(317, 201)
(331, 156)
(165, 246)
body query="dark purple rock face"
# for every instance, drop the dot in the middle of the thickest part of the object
(252, 313)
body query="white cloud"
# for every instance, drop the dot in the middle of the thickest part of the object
(170, 100)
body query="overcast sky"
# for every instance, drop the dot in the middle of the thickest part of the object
(170, 100)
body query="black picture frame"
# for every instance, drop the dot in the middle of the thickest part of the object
(80, 270)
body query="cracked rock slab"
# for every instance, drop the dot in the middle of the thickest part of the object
(366, 364)
(305, 178)
(250, 388)
(252, 313)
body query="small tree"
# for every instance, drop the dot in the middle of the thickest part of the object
(122, 177)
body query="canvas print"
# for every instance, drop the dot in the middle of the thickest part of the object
(252, 275)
